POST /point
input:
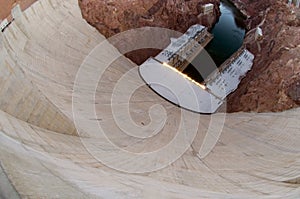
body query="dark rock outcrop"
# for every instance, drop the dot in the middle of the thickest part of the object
(294, 91)
(253, 10)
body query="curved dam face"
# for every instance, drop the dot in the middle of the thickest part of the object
(77, 121)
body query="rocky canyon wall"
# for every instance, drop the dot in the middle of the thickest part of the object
(274, 82)
(111, 17)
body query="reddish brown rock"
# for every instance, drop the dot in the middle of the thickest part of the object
(114, 16)
(7, 5)
(270, 85)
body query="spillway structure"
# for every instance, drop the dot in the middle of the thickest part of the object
(165, 73)
(72, 127)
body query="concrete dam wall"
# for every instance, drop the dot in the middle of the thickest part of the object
(77, 121)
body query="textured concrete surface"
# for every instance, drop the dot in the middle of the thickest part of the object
(6, 188)
(44, 156)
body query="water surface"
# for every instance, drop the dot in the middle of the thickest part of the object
(229, 33)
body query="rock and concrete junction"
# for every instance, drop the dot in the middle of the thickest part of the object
(72, 127)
